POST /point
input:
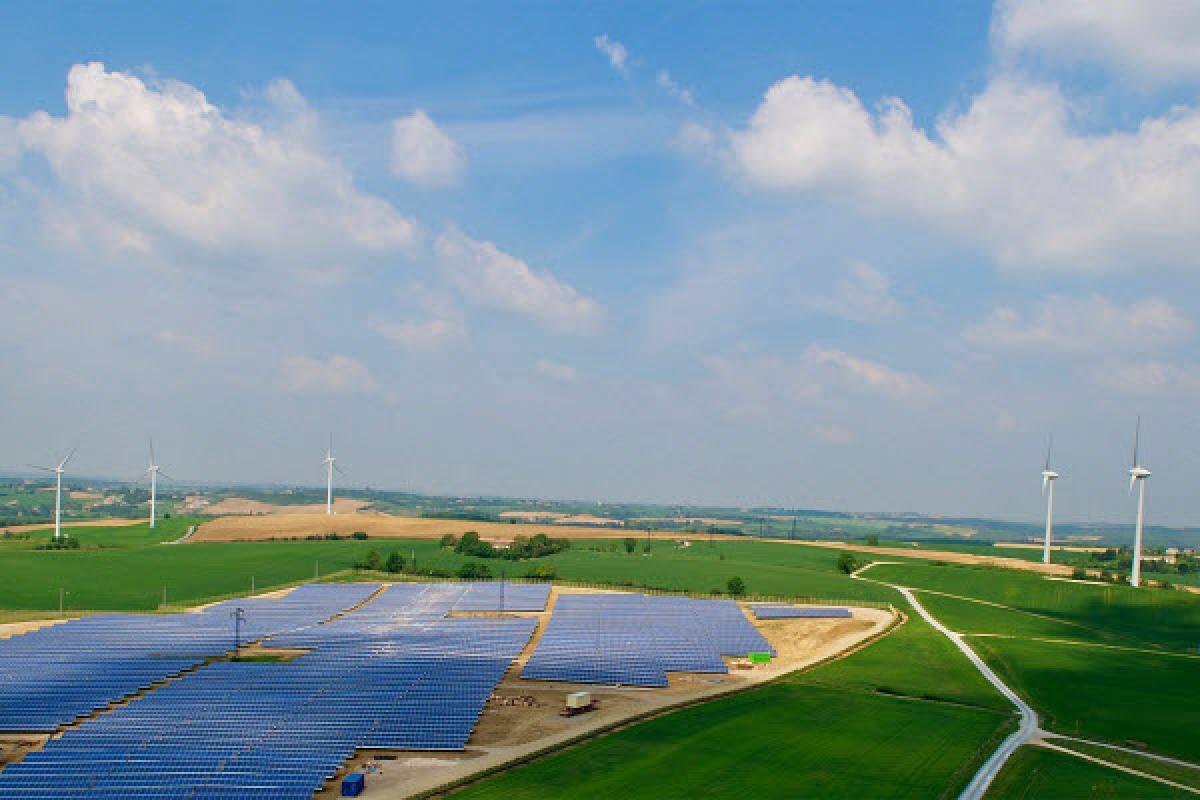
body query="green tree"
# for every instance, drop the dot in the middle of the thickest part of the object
(872, 539)
(449, 540)
(847, 563)
(630, 545)
(395, 562)
(735, 586)
(371, 561)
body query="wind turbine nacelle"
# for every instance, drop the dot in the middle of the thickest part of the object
(1137, 473)
(1049, 475)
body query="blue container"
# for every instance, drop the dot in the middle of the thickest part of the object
(353, 784)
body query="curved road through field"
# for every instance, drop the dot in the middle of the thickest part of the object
(1028, 729)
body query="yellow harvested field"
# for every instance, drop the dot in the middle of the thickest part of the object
(374, 524)
(242, 505)
(85, 523)
(1064, 547)
(944, 555)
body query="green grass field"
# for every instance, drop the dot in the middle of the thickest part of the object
(1188, 776)
(785, 740)
(1154, 617)
(1034, 773)
(1100, 693)
(913, 660)
(89, 536)
(966, 616)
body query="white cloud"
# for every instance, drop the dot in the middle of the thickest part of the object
(340, 374)
(1151, 378)
(870, 374)
(423, 154)
(195, 345)
(835, 434)
(1151, 41)
(618, 56)
(1009, 173)
(1085, 324)
(864, 294)
(441, 326)
(140, 168)
(668, 85)
(555, 370)
(493, 278)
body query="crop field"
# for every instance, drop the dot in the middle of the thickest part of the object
(1154, 617)
(89, 536)
(1034, 773)
(1101, 693)
(1188, 776)
(967, 616)
(786, 740)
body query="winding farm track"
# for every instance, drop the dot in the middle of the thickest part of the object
(1026, 732)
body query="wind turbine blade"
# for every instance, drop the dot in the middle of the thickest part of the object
(43, 469)
(339, 470)
(63, 463)
(165, 475)
(1137, 435)
(1045, 483)
(152, 451)
(1049, 447)
(1132, 481)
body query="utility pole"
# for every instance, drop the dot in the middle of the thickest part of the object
(239, 616)
(60, 600)
(251, 584)
(164, 602)
(316, 569)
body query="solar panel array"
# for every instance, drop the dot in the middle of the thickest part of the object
(396, 673)
(53, 675)
(635, 640)
(788, 611)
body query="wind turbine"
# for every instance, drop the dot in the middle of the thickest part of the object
(153, 470)
(58, 473)
(1138, 475)
(1048, 478)
(330, 465)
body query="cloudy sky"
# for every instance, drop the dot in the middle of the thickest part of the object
(810, 254)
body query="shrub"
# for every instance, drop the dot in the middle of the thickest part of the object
(1079, 573)
(630, 545)
(449, 540)
(847, 563)
(359, 535)
(872, 540)
(371, 561)
(736, 586)
(473, 570)
(395, 562)
(542, 572)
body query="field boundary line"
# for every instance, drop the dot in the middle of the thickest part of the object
(1120, 767)
(1076, 643)
(1144, 753)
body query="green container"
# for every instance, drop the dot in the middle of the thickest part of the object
(760, 658)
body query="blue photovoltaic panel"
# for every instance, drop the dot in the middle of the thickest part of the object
(635, 639)
(787, 611)
(397, 672)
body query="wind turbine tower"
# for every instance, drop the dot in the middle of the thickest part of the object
(1138, 475)
(153, 470)
(330, 465)
(1048, 478)
(58, 473)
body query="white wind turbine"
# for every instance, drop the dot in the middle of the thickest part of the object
(1138, 475)
(58, 473)
(153, 471)
(330, 465)
(1048, 478)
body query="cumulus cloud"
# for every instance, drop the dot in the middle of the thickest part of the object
(493, 278)
(1151, 378)
(144, 167)
(195, 345)
(863, 293)
(869, 374)
(1010, 173)
(618, 56)
(339, 374)
(668, 85)
(555, 370)
(1151, 41)
(441, 326)
(423, 154)
(1085, 324)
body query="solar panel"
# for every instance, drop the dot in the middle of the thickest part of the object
(788, 611)
(398, 672)
(635, 639)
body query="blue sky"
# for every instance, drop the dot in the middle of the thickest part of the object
(820, 255)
